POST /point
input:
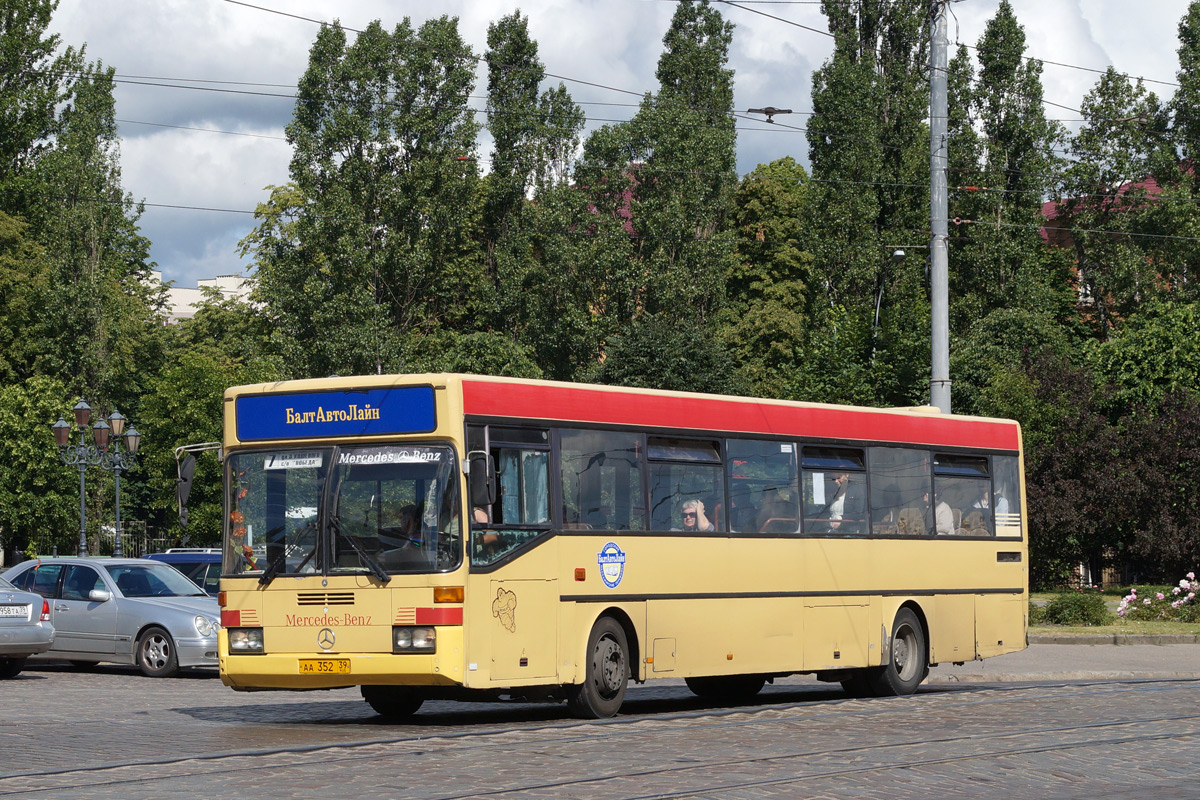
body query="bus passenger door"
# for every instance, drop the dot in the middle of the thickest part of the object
(524, 642)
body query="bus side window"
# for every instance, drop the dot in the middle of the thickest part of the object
(834, 486)
(900, 487)
(1006, 495)
(602, 480)
(763, 494)
(685, 477)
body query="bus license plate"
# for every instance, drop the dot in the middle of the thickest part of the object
(324, 666)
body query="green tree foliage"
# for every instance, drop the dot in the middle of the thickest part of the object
(1106, 195)
(34, 80)
(671, 169)
(868, 147)
(24, 288)
(1154, 352)
(764, 321)
(369, 248)
(38, 494)
(1003, 165)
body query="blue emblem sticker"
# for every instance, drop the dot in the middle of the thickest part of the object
(612, 564)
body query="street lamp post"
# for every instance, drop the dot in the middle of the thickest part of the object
(97, 453)
(118, 459)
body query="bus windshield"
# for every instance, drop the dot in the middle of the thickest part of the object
(379, 509)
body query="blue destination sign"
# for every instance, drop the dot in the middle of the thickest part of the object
(372, 412)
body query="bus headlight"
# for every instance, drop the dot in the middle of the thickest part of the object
(414, 640)
(206, 627)
(245, 640)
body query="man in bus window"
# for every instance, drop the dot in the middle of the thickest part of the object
(943, 517)
(694, 519)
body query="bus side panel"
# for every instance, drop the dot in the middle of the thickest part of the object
(952, 628)
(1000, 624)
(837, 624)
(725, 636)
(513, 625)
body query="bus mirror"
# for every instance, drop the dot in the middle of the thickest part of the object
(183, 486)
(481, 478)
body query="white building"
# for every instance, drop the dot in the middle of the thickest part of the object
(182, 303)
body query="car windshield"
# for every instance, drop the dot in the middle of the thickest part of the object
(150, 580)
(381, 509)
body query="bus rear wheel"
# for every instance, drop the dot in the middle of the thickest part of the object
(606, 674)
(393, 702)
(727, 687)
(909, 662)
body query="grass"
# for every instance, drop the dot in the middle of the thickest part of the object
(1150, 628)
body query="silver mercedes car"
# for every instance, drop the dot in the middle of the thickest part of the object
(25, 628)
(124, 611)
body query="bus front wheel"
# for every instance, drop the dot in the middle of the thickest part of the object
(606, 673)
(393, 702)
(909, 663)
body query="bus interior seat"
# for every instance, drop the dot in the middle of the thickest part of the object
(912, 522)
(780, 525)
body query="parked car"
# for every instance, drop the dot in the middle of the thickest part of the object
(25, 628)
(124, 611)
(201, 564)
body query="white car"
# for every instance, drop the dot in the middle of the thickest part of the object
(25, 628)
(124, 611)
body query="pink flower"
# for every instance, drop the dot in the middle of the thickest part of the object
(1191, 595)
(1176, 590)
(1160, 596)
(1146, 602)
(1191, 576)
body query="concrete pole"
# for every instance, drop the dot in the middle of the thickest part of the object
(939, 377)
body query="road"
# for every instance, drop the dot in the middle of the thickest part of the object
(111, 733)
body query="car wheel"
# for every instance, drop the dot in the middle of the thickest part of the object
(606, 673)
(393, 702)
(11, 667)
(156, 654)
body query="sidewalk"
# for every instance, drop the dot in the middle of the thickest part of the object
(1083, 658)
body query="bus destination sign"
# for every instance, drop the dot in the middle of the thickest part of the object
(371, 412)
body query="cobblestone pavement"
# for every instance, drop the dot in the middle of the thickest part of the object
(110, 733)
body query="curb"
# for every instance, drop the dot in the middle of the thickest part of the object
(1115, 638)
(1040, 677)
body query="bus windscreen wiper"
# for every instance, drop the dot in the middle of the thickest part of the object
(363, 556)
(273, 568)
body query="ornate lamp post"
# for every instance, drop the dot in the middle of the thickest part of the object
(118, 459)
(82, 455)
(97, 454)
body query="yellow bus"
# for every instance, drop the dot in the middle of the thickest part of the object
(464, 537)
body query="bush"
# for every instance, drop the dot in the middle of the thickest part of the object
(1077, 608)
(1037, 614)
(1177, 604)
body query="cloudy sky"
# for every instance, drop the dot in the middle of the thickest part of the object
(204, 85)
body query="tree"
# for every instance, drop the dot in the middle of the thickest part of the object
(765, 320)
(670, 173)
(369, 248)
(1155, 352)
(1113, 154)
(869, 102)
(33, 83)
(1009, 165)
(24, 288)
(38, 494)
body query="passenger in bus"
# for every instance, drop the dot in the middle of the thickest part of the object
(694, 518)
(777, 514)
(846, 502)
(943, 517)
(410, 525)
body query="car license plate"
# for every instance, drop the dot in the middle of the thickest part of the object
(14, 611)
(324, 666)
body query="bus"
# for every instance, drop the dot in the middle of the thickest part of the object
(446, 536)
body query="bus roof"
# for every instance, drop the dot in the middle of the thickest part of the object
(516, 399)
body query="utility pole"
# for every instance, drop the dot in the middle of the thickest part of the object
(939, 292)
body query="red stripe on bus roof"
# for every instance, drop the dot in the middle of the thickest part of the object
(608, 406)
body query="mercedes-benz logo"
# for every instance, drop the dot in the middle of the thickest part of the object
(325, 638)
